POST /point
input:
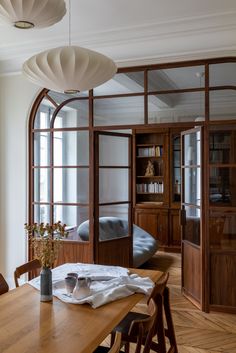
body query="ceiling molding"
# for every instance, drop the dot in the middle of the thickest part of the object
(189, 38)
(190, 26)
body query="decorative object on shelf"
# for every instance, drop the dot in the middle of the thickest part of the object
(45, 240)
(69, 69)
(150, 171)
(177, 187)
(32, 13)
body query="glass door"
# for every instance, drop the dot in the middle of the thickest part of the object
(191, 212)
(113, 199)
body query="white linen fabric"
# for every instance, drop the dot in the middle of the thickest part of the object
(109, 283)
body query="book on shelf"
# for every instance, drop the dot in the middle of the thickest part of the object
(154, 151)
(154, 187)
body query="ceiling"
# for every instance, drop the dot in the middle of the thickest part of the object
(131, 31)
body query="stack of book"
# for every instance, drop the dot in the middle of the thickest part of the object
(155, 188)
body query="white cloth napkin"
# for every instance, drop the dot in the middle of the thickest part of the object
(109, 283)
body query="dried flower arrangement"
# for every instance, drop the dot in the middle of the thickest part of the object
(45, 240)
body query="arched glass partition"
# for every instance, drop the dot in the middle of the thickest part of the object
(79, 172)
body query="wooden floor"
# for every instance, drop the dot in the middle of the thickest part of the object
(196, 332)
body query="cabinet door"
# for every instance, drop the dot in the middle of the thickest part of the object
(175, 228)
(155, 222)
(147, 221)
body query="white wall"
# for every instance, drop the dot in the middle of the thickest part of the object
(16, 98)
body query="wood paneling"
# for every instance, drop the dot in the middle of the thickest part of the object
(175, 228)
(191, 271)
(115, 252)
(223, 279)
(74, 251)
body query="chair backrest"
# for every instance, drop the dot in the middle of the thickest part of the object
(143, 329)
(159, 288)
(117, 343)
(3, 285)
(32, 266)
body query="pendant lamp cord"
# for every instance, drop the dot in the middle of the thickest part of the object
(69, 23)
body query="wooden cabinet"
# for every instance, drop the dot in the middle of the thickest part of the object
(157, 196)
(154, 221)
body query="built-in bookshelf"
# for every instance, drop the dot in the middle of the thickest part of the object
(150, 152)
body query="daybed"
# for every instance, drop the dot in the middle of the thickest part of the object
(144, 245)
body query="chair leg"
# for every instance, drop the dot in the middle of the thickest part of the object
(127, 347)
(170, 332)
(112, 338)
(160, 330)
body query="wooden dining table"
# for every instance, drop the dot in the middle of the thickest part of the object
(30, 326)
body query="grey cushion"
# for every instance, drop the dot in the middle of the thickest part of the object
(144, 245)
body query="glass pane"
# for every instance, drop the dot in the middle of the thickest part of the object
(176, 107)
(73, 114)
(223, 186)
(42, 185)
(192, 186)
(41, 148)
(72, 216)
(119, 111)
(41, 213)
(71, 148)
(71, 185)
(113, 185)
(113, 150)
(176, 168)
(176, 78)
(222, 74)
(192, 149)
(44, 115)
(222, 146)
(61, 97)
(120, 211)
(222, 230)
(222, 105)
(130, 82)
(191, 230)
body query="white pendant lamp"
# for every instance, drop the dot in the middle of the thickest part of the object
(69, 69)
(26, 14)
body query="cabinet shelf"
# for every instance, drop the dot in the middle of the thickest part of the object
(157, 177)
(154, 157)
(149, 193)
(149, 144)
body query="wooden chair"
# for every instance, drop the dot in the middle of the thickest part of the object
(141, 329)
(32, 266)
(3, 285)
(114, 349)
(160, 295)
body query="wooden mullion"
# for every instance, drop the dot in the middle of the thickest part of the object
(145, 97)
(114, 203)
(114, 167)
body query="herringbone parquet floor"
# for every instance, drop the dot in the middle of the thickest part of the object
(196, 332)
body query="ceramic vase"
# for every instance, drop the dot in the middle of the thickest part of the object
(46, 285)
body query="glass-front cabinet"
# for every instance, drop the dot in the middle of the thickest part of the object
(222, 215)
